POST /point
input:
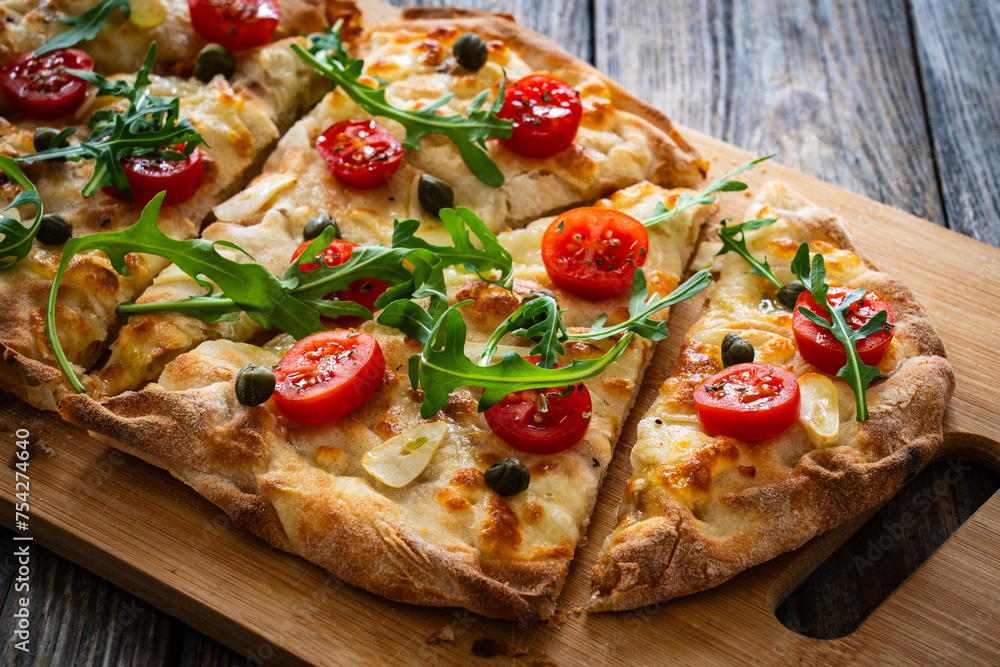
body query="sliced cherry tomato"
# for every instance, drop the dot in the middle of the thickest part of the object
(364, 291)
(327, 375)
(748, 401)
(39, 90)
(546, 113)
(594, 252)
(361, 153)
(519, 419)
(147, 178)
(821, 349)
(235, 24)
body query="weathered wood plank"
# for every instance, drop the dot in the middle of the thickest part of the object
(959, 49)
(830, 85)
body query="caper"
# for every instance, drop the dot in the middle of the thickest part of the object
(789, 294)
(254, 384)
(435, 194)
(470, 51)
(54, 230)
(318, 224)
(736, 350)
(42, 140)
(214, 59)
(508, 477)
(538, 294)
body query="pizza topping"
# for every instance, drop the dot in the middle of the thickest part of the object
(733, 239)
(507, 477)
(400, 459)
(362, 154)
(17, 238)
(37, 86)
(789, 294)
(736, 350)
(820, 409)
(235, 24)
(471, 51)
(149, 176)
(146, 13)
(48, 137)
(54, 230)
(327, 375)
(318, 224)
(545, 111)
(212, 60)
(594, 252)
(254, 385)
(434, 195)
(748, 401)
(363, 291)
(85, 26)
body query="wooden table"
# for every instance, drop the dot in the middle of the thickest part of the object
(897, 101)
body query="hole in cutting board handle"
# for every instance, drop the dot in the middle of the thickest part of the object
(848, 586)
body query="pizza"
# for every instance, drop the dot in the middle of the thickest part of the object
(405, 349)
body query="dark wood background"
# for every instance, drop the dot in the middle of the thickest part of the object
(898, 100)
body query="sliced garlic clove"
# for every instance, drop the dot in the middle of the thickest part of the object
(400, 459)
(820, 409)
(147, 13)
(254, 197)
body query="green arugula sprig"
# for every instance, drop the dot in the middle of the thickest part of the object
(143, 129)
(328, 56)
(722, 184)
(857, 374)
(16, 242)
(85, 26)
(733, 239)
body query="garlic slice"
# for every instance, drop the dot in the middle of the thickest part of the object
(820, 409)
(147, 13)
(254, 197)
(400, 459)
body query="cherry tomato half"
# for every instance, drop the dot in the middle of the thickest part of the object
(821, 349)
(327, 375)
(147, 178)
(361, 153)
(235, 24)
(546, 113)
(364, 291)
(748, 401)
(39, 90)
(520, 421)
(594, 252)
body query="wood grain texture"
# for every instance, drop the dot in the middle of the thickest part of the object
(959, 48)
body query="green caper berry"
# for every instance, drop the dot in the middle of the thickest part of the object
(435, 194)
(254, 384)
(538, 294)
(42, 140)
(54, 230)
(470, 51)
(508, 477)
(318, 224)
(214, 59)
(736, 350)
(789, 294)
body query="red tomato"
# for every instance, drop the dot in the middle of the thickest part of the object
(38, 90)
(546, 113)
(235, 24)
(519, 421)
(594, 252)
(364, 291)
(361, 153)
(748, 401)
(148, 178)
(821, 349)
(327, 375)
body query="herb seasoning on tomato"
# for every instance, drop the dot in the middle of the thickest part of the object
(363, 291)
(148, 177)
(546, 114)
(327, 375)
(39, 89)
(542, 421)
(594, 252)
(821, 348)
(362, 154)
(748, 401)
(235, 24)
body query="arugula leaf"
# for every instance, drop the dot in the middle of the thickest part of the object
(16, 242)
(730, 243)
(722, 184)
(469, 133)
(85, 26)
(149, 124)
(857, 374)
(538, 319)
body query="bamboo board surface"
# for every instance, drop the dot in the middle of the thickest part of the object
(150, 534)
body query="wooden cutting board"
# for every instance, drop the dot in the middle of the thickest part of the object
(146, 532)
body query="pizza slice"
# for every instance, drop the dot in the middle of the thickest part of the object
(768, 433)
